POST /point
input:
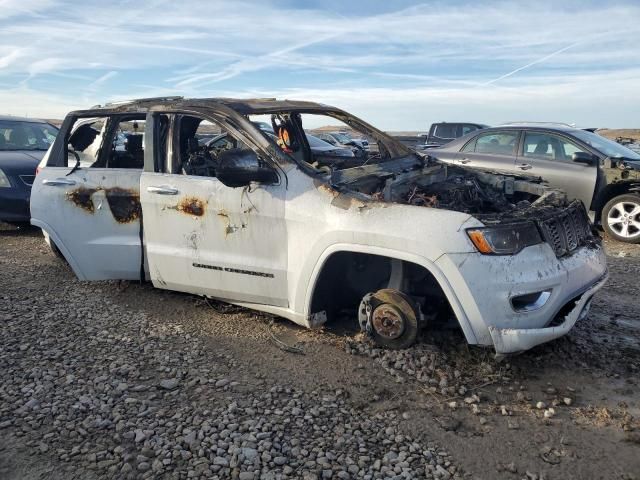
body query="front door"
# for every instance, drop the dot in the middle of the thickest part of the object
(550, 156)
(493, 150)
(87, 197)
(202, 235)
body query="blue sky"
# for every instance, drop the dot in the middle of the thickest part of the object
(398, 64)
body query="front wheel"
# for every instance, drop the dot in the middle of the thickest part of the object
(390, 317)
(621, 218)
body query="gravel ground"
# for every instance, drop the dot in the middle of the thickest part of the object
(120, 380)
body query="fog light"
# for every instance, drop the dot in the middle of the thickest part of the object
(530, 301)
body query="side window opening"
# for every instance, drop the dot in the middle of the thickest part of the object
(497, 143)
(445, 130)
(206, 149)
(549, 147)
(321, 141)
(85, 141)
(107, 142)
(127, 146)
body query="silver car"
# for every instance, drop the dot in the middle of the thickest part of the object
(601, 173)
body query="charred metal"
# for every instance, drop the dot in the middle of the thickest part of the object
(81, 197)
(124, 204)
(191, 206)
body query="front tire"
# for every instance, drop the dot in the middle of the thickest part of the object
(621, 218)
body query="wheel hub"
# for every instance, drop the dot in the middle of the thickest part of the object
(387, 321)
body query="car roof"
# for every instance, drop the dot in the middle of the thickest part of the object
(535, 126)
(539, 127)
(246, 106)
(12, 118)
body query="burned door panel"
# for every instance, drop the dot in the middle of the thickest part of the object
(95, 212)
(215, 240)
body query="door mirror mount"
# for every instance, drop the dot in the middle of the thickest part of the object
(584, 157)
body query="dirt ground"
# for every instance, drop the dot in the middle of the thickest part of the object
(566, 410)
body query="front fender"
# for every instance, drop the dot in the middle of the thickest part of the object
(304, 295)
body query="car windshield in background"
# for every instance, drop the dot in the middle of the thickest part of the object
(606, 146)
(316, 142)
(15, 135)
(342, 138)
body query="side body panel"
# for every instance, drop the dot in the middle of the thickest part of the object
(95, 215)
(577, 180)
(209, 239)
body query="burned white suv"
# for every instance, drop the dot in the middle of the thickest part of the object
(132, 191)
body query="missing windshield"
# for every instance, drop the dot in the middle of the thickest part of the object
(327, 142)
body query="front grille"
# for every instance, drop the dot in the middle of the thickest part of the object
(27, 179)
(567, 231)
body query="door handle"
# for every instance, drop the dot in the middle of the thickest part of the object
(162, 190)
(464, 161)
(58, 182)
(525, 166)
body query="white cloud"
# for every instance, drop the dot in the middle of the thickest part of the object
(399, 69)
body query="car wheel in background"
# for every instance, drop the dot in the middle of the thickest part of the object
(621, 218)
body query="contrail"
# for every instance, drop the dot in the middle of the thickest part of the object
(540, 60)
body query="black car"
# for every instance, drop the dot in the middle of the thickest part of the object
(23, 143)
(443, 132)
(601, 173)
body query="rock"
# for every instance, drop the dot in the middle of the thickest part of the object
(567, 401)
(222, 382)
(280, 460)
(549, 413)
(157, 466)
(246, 476)
(169, 383)
(541, 405)
(31, 404)
(511, 467)
(143, 466)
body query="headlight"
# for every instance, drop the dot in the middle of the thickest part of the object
(4, 181)
(504, 239)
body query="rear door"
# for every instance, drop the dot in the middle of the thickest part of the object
(493, 150)
(205, 237)
(549, 155)
(86, 198)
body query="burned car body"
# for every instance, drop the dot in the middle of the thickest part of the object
(398, 240)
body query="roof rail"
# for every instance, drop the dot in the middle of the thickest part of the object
(525, 122)
(142, 100)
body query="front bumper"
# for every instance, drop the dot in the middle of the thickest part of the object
(514, 340)
(484, 286)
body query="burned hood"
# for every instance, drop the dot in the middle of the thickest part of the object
(417, 181)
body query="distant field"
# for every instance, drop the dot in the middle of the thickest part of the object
(620, 132)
